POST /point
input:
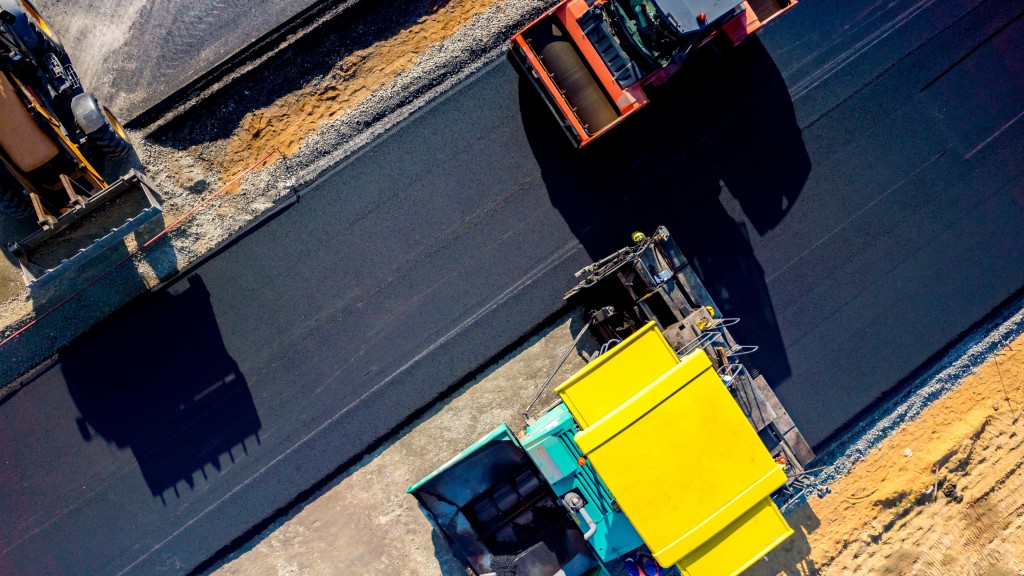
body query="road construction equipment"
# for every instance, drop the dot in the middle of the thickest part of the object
(53, 134)
(593, 61)
(663, 452)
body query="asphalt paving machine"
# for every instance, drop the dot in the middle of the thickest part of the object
(594, 61)
(664, 453)
(53, 135)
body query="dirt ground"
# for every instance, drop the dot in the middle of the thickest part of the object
(885, 517)
(288, 122)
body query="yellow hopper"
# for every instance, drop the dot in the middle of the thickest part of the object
(680, 458)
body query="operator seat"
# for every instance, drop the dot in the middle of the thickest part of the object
(22, 140)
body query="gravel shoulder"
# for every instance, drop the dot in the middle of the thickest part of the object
(943, 494)
(364, 522)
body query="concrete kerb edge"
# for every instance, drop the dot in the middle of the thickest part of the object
(383, 127)
(325, 167)
(23, 355)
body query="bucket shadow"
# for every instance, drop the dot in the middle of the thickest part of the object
(173, 396)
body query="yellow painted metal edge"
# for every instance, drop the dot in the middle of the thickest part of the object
(659, 357)
(693, 367)
(600, 432)
(721, 519)
(690, 566)
(612, 353)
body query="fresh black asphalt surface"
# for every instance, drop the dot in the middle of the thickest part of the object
(851, 185)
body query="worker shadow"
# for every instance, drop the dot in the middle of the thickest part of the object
(173, 395)
(717, 161)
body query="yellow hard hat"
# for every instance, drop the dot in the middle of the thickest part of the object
(638, 237)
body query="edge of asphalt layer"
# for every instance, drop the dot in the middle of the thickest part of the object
(842, 450)
(838, 456)
(379, 133)
(256, 533)
(23, 357)
(243, 61)
(30, 352)
(322, 168)
(945, 372)
(25, 353)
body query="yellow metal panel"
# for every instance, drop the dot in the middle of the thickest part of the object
(736, 548)
(604, 384)
(667, 383)
(687, 468)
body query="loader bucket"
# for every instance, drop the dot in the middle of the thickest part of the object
(89, 228)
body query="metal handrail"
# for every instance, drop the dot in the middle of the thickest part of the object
(526, 413)
(723, 322)
(739, 372)
(705, 339)
(741, 350)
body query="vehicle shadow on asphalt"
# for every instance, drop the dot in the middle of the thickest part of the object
(173, 395)
(82, 288)
(724, 124)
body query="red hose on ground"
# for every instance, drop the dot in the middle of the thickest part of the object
(139, 249)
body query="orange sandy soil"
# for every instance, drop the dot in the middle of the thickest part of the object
(880, 518)
(286, 123)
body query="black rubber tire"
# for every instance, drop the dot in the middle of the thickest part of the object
(13, 201)
(47, 33)
(593, 107)
(110, 140)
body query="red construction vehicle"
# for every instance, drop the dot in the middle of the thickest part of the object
(593, 60)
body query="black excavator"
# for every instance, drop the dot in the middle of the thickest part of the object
(54, 137)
